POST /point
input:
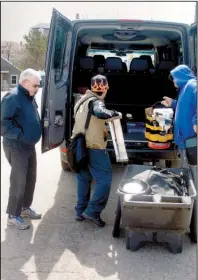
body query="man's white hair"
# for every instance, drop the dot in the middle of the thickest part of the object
(28, 74)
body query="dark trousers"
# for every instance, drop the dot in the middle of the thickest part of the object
(23, 176)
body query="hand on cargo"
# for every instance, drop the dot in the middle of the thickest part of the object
(116, 117)
(195, 128)
(167, 101)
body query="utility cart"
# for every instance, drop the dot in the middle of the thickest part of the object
(151, 218)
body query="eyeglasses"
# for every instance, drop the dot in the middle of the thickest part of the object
(34, 85)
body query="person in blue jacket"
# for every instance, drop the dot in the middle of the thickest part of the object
(185, 122)
(21, 130)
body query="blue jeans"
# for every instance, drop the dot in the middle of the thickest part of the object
(100, 169)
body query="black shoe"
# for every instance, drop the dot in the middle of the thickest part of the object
(79, 218)
(97, 221)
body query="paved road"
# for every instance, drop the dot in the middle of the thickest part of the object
(58, 248)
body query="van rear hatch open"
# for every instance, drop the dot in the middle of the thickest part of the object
(70, 40)
(130, 93)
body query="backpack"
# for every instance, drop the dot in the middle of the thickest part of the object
(77, 152)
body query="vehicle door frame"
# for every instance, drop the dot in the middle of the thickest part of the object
(54, 110)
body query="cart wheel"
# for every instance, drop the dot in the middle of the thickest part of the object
(168, 163)
(176, 246)
(133, 241)
(193, 224)
(128, 245)
(116, 226)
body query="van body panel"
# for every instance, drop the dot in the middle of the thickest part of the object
(57, 96)
(56, 84)
(193, 47)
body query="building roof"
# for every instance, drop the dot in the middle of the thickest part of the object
(41, 25)
(5, 65)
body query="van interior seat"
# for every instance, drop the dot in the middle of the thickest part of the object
(113, 64)
(139, 66)
(114, 74)
(128, 92)
(164, 86)
(139, 86)
(164, 67)
(84, 72)
(124, 67)
(149, 60)
(86, 63)
(99, 62)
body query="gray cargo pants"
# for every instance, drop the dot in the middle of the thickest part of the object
(23, 175)
(184, 159)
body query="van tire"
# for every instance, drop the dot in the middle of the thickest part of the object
(116, 226)
(112, 157)
(65, 166)
(193, 224)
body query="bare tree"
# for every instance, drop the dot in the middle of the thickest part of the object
(8, 48)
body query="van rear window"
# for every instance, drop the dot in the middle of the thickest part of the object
(59, 52)
(125, 58)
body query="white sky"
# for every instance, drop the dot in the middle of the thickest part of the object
(18, 17)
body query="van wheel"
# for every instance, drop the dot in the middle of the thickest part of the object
(112, 157)
(65, 166)
(193, 224)
(116, 226)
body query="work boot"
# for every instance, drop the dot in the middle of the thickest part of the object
(17, 222)
(96, 220)
(79, 218)
(31, 214)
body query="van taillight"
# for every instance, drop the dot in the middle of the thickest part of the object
(64, 150)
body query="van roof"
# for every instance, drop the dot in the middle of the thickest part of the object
(113, 31)
(128, 21)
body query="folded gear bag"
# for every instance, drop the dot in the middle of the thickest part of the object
(164, 182)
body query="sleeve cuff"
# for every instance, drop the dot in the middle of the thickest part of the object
(174, 104)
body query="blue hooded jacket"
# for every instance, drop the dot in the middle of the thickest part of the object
(186, 105)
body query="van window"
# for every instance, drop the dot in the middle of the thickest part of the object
(180, 61)
(60, 44)
(126, 59)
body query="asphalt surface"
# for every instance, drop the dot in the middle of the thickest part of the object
(59, 248)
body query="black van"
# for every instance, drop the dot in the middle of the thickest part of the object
(74, 55)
